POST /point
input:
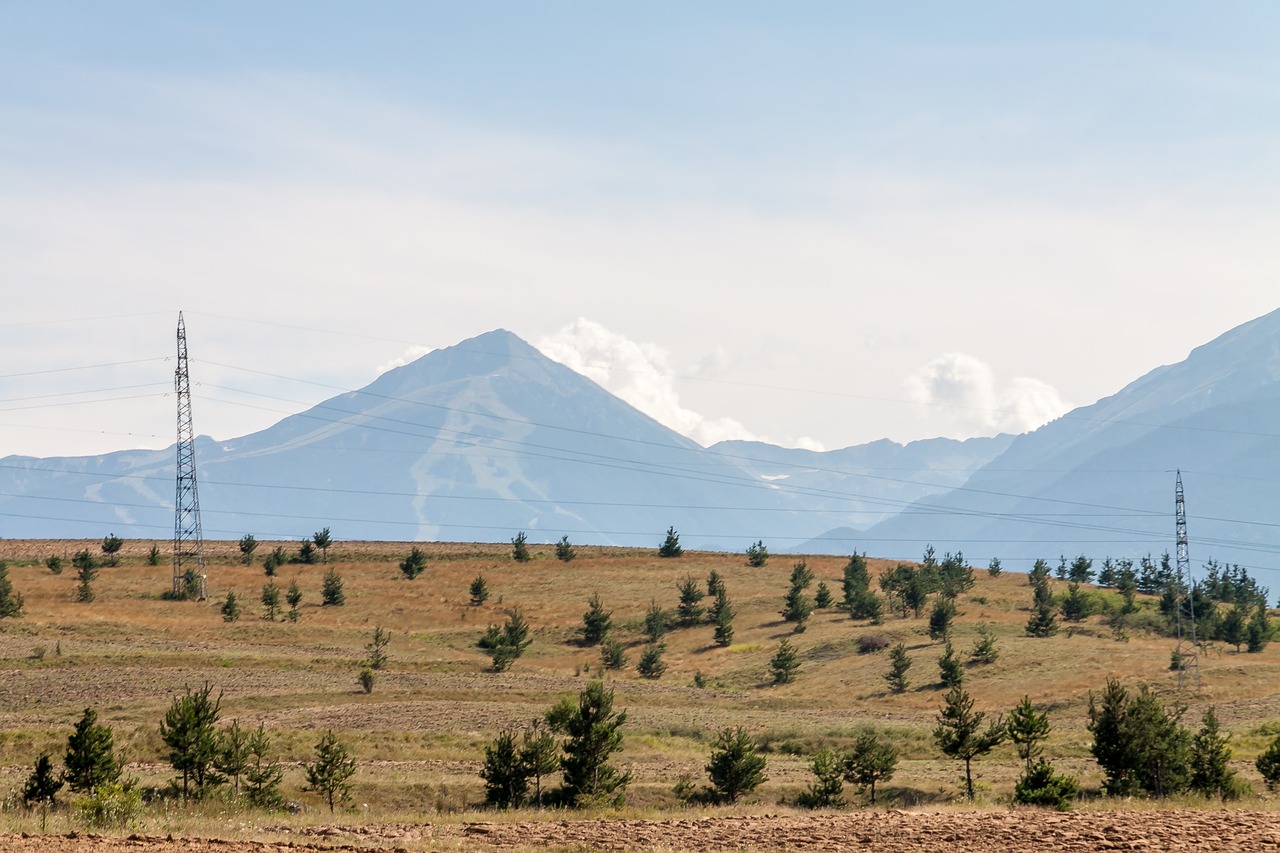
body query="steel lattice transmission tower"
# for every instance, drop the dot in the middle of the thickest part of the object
(1187, 653)
(188, 538)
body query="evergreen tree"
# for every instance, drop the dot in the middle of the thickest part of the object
(785, 663)
(907, 589)
(715, 583)
(670, 546)
(1044, 620)
(376, 650)
(595, 622)
(825, 790)
(869, 762)
(1039, 574)
(724, 614)
(248, 544)
(796, 608)
(41, 788)
(994, 568)
(592, 733)
(262, 776)
(86, 571)
(1258, 631)
(153, 555)
(959, 733)
(1139, 743)
(651, 664)
(1081, 570)
(943, 613)
(90, 760)
(274, 560)
(899, 663)
(1211, 773)
(1040, 786)
(950, 668)
(655, 622)
(1027, 727)
(331, 594)
(322, 539)
(293, 595)
(822, 598)
(954, 575)
(189, 730)
(1268, 764)
(230, 608)
(520, 548)
(306, 553)
(613, 654)
(329, 774)
(801, 575)
(1076, 604)
(231, 758)
(540, 755)
(509, 642)
(1232, 628)
(857, 598)
(479, 590)
(111, 549)
(10, 601)
(1108, 574)
(736, 767)
(984, 648)
(690, 609)
(505, 774)
(757, 554)
(270, 601)
(564, 551)
(414, 564)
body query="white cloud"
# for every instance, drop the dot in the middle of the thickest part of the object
(964, 395)
(638, 373)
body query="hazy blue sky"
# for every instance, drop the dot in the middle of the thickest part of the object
(812, 223)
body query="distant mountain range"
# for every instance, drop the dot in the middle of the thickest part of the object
(489, 437)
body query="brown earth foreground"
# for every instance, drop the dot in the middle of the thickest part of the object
(884, 832)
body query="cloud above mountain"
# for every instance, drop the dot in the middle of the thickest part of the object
(964, 391)
(642, 375)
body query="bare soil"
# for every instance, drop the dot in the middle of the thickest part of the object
(879, 831)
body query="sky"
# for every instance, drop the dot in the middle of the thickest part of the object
(814, 223)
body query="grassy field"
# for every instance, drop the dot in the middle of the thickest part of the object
(419, 736)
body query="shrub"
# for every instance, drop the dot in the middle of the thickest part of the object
(367, 679)
(111, 804)
(54, 564)
(871, 643)
(1040, 786)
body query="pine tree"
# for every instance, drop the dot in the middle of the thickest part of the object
(757, 554)
(111, 548)
(655, 622)
(690, 610)
(785, 663)
(414, 564)
(376, 650)
(613, 654)
(736, 766)
(651, 664)
(231, 759)
(984, 648)
(520, 548)
(189, 730)
(329, 774)
(1043, 621)
(505, 775)
(670, 546)
(293, 595)
(230, 608)
(508, 643)
(41, 788)
(564, 551)
(950, 668)
(592, 734)
(1211, 773)
(994, 568)
(10, 601)
(1076, 604)
(540, 755)
(857, 598)
(331, 594)
(940, 618)
(262, 776)
(1027, 727)
(959, 733)
(270, 601)
(715, 583)
(1268, 764)
(899, 663)
(796, 608)
(595, 622)
(86, 571)
(90, 760)
(248, 544)
(724, 614)
(1232, 629)
(825, 790)
(822, 598)
(1258, 631)
(479, 590)
(869, 762)
(322, 539)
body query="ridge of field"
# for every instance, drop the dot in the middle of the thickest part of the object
(419, 737)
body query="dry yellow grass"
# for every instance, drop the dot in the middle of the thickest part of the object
(419, 736)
